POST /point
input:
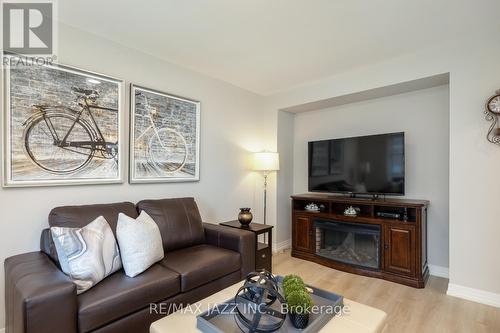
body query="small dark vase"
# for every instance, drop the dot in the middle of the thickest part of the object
(245, 216)
(299, 321)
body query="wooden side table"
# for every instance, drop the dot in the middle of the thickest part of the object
(263, 250)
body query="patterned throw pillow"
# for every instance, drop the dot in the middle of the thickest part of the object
(87, 255)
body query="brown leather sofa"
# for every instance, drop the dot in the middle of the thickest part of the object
(200, 259)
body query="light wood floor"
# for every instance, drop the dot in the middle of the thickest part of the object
(408, 309)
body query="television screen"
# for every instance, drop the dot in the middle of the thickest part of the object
(373, 164)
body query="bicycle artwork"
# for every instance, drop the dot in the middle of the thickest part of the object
(164, 137)
(63, 127)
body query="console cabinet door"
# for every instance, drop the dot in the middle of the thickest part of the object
(399, 249)
(302, 234)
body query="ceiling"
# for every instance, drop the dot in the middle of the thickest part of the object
(267, 46)
(379, 92)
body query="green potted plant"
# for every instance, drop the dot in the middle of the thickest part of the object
(292, 286)
(298, 299)
(291, 278)
(299, 306)
(291, 282)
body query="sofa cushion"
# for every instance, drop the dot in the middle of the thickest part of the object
(200, 264)
(80, 216)
(178, 219)
(118, 296)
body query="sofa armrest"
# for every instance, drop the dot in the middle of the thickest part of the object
(38, 296)
(241, 241)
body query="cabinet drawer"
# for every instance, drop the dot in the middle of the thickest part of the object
(263, 259)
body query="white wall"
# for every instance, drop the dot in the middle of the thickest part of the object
(285, 136)
(424, 117)
(474, 196)
(231, 126)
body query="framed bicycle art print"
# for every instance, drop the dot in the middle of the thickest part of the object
(62, 126)
(164, 137)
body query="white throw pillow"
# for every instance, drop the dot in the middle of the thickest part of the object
(140, 243)
(87, 255)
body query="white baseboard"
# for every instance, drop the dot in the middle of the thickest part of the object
(475, 295)
(278, 247)
(440, 271)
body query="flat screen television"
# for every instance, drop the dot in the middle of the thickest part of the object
(373, 165)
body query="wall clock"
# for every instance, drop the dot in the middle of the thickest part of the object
(492, 111)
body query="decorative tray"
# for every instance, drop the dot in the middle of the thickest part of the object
(222, 319)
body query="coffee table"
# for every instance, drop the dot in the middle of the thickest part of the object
(361, 318)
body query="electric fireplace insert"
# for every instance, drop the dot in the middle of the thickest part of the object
(351, 243)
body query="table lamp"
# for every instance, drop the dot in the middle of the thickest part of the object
(266, 162)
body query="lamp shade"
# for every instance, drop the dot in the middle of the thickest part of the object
(266, 161)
